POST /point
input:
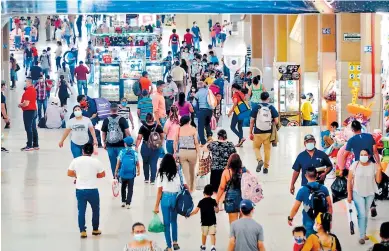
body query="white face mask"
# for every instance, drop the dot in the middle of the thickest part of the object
(78, 113)
(310, 146)
(315, 228)
(364, 159)
(140, 237)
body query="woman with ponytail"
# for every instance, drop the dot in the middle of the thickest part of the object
(171, 128)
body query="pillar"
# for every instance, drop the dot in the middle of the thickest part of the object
(268, 49)
(256, 41)
(347, 52)
(5, 75)
(294, 46)
(281, 53)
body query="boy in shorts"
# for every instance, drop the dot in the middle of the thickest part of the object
(208, 209)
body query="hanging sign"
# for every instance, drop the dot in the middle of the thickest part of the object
(351, 37)
(289, 72)
(367, 48)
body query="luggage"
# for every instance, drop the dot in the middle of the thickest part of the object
(184, 202)
(136, 89)
(211, 99)
(42, 123)
(250, 187)
(103, 107)
(264, 118)
(201, 182)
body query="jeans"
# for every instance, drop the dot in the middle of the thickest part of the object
(169, 214)
(306, 122)
(29, 119)
(235, 121)
(196, 41)
(170, 146)
(88, 29)
(76, 149)
(174, 49)
(46, 72)
(92, 74)
(113, 153)
(308, 223)
(67, 38)
(362, 204)
(83, 197)
(81, 84)
(150, 159)
(40, 104)
(214, 41)
(129, 185)
(204, 117)
(167, 69)
(71, 69)
(58, 62)
(28, 63)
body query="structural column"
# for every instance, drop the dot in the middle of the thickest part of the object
(268, 49)
(5, 70)
(256, 41)
(281, 53)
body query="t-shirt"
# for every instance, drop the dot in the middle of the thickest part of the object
(80, 72)
(123, 124)
(79, 130)
(28, 53)
(172, 129)
(54, 119)
(30, 95)
(178, 73)
(207, 211)
(364, 178)
(159, 106)
(305, 161)
(173, 186)
(145, 105)
(359, 142)
(188, 38)
(3, 101)
(247, 233)
(145, 83)
(86, 169)
(183, 110)
(303, 196)
(220, 151)
(175, 39)
(306, 110)
(36, 72)
(254, 113)
(124, 112)
(145, 130)
(196, 31)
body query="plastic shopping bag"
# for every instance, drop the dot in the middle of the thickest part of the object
(201, 182)
(352, 216)
(339, 189)
(115, 187)
(156, 225)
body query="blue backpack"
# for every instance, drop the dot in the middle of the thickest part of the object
(128, 165)
(184, 201)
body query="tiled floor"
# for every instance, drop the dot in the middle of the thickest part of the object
(39, 206)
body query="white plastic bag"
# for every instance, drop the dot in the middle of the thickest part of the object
(202, 181)
(352, 216)
(115, 188)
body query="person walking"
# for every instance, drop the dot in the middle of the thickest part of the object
(78, 127)
(62, 91)
(36, 72)
(159, 106)
(196, 35)
(29, 107)
(145, 106)
(220, 150)
(14, 68)
(87, 171)
(80, 73)
(169, 184)
(237, 97)
(151, 147)
(125, 111)
(45, 62)
(204, 112)
(48, 28)
(179, 75)
(186, 147)
(263, 117)
(305, 196)
(28, 58)
(185, 108)
(189, 38)
(79, 25)
(255, 91)
(362, 180)
(4, 111)
(58, 55)
(230, 184)
(170, 92)
(40, 87)
(171, 128)
(114, 129)
(246, 234)
(89, 23)
(140, 240)
(174, 41)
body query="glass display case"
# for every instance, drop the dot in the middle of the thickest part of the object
(127, 91)
(155, 71)
(289, 101)
(110, 92)
(109, 73)
(132, 68)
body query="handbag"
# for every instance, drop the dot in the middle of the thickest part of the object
(204, 165)
(17, 68)
(184, 202)
(242, 110)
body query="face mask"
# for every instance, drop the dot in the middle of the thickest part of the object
(364, 159)
(140, 237)
(78, 113)
(193, 89)
(310, 146)
(315, 228)
(124, 103)
(44, 53)
(299, 240)
(195, 62)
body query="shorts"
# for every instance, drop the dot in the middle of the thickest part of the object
(208, 230)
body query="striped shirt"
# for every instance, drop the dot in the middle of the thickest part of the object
(145, 105)
(124, 112)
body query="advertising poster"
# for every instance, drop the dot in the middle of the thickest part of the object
(354, 74)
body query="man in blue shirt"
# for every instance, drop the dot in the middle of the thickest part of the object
(260, 134)
(196, 35)
(304, 197)
(204, 112)
(167, 62)
(310, 157)
(220, 82)
(36, 73)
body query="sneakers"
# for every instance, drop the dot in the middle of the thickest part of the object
(265, 170)
(373, 212)
(152, 182)
(213, 249)
(83, 235)
(4, 150)
(36, 148)
(259, 166)
(128, 206)
(123, 204)
(361, 241)
(146, 181)
(96, 232)
(27, 149)
(176, 247)
(202, 248)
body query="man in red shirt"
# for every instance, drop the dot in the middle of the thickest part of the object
(145, 82)
(28, 105)
(34, 52)
(188, 38)
(80, 74)
(174, 40)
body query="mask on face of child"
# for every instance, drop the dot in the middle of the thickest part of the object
(299, 240)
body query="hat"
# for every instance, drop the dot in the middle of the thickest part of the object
(246, 205)
(160, 83)
(128, 140)
(309, 137)
(114, 106)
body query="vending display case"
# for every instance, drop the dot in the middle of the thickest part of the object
(110, 87)
(155, 71)
(127, 90)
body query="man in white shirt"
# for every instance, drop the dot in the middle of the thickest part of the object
(87, 170)
(179, 75)
(54, 115)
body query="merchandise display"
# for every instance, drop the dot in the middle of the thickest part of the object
(110, 87)
(109, 73)
(155, 71)
(110, 92)
(127, 90)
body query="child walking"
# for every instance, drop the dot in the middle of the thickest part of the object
(299, 238)
(127, 168)
(208, 209)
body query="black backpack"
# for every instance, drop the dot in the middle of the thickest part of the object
(318, 202)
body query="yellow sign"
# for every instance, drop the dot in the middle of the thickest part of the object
(354, 74)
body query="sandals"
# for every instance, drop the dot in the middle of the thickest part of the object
(240, 144)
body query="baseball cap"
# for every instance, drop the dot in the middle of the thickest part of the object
(309, 137)
(128, 140)
(114, 106)
(246, 205)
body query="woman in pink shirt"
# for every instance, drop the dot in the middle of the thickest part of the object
(171, 128)
(185, 108)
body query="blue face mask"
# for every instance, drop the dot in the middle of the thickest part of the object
(124, 103)
(140, 237)
(299, 240)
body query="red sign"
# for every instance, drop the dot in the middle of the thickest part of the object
(153, 51)
(107, 59)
